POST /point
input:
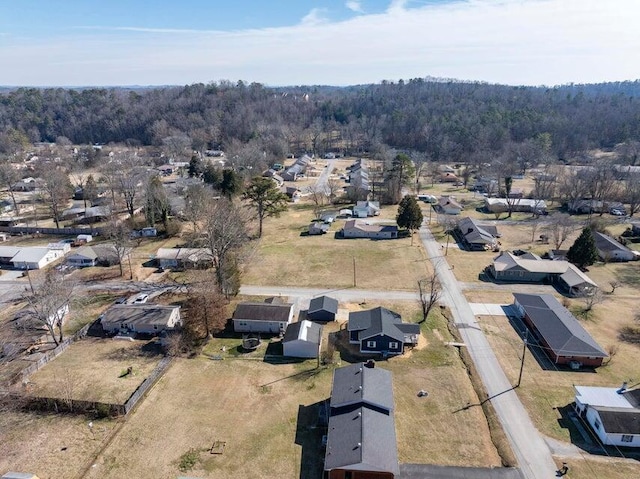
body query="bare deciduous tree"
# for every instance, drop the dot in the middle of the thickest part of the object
(615, 284)
(8, 176)
(559, 227)
(196, 203)
(120, 236)
(57, 192)
(430, 292)
(205, 310)
(226, 232)
(592, 300)
(48, 302)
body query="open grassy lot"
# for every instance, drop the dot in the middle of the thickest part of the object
(75, 372)
(48, 445)
(284, 257)
(264, 413)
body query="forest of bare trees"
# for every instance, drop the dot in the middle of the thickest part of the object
(456, 121)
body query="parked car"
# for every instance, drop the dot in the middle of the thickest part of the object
(142, 298)
(122, 300)
(618, 212)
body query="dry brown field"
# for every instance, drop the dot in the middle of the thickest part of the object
(285, 258)
(90, 370)
(48, 445)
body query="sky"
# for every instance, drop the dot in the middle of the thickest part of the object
(305, 42)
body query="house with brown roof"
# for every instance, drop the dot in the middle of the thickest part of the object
(256, 317)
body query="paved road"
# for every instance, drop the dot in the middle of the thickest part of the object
(323, 179)
(345, 294)
(533, 454)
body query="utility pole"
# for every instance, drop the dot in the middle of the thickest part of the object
(354, 271)
(446, 251)
(524, 351)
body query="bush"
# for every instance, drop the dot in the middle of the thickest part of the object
(173, 228)
(188, 460)
(630, 334)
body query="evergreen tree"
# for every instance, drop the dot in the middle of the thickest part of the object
(265, 197)
(583, 252)
(231, 183)
(196, 168)
(409, 215)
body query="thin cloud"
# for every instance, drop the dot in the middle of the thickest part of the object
(397, 6)
(507, 41)
(314, 17)
(354, 6)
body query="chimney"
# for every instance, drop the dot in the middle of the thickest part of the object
(623, 388)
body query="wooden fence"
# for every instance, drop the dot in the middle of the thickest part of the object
(51, 355)
(31, 230)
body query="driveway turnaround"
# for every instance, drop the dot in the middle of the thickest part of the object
(533, 454)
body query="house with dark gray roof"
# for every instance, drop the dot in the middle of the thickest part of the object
(322, 308)
(561, 336)
(256, 317)
(302, 339)
(381, 331)
(476, 237)
(361, 435)
(612, 413)
(611, 250)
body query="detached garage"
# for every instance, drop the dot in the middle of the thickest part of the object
(322, 308)
(302, 340)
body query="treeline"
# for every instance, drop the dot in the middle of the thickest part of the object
(445, 120)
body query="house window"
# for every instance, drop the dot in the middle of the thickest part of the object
(393, 345)
(596, 424)
(627, 438)
(371, 344)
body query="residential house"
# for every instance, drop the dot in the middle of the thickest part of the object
(142, 318)
(530, 268)
(448, 205)
(522, 205)
(611, 250)
(83, 257)
(298, 168)
(7, 253)
(256, 317)
(449, 177)
(361, 433)
(560, 334)
(364, 209)
(36, 257)
(612, 413)
(318, 228)
(302, 339)
(184, 258)
(359, 184)
(381, 331)
(585, 206)
(626, 171)
(476, 237)
(322, 308)
(293, 193)
(362, 229)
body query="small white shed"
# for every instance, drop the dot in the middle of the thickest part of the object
(302, 340)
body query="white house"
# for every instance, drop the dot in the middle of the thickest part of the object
(270, 318)
(302, 340)
(140, 318)
(611, 250)
(448, 205)
(362, 229)
(613, 414)
(35, 257)
(363, 209)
